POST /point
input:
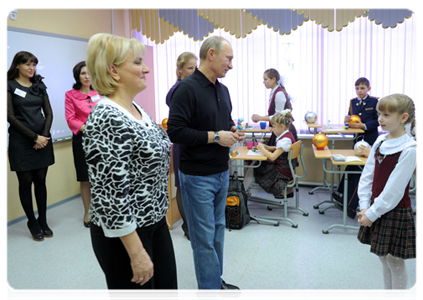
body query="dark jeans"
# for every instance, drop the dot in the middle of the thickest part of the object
(115, 262)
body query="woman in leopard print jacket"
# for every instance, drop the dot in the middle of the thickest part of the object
(128, 158)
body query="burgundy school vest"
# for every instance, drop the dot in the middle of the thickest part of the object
(281, 162)
(381, 175)
(271, 111)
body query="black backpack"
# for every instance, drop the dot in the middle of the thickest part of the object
(236, 212)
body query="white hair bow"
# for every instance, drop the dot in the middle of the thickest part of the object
(284, 112)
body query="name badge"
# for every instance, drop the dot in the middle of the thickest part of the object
(370, 108)
(95, 98)
(20, 93)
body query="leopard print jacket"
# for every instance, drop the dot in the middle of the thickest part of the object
(128, 166)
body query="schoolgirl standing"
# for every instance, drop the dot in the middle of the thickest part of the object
(386, 217)
(278, 101)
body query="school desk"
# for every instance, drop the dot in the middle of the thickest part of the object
(336, 129)
(255, 128)
(313, 126)
(327, 155)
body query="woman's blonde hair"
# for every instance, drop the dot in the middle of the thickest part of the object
(183, 58)
(399, 103)
(282, 118)
(105, 50)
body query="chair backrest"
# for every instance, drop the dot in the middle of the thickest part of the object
(296, 148)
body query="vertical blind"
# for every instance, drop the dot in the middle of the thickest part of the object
(318, 68)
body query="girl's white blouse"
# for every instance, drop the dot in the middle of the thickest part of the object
(284, 143)
(280, 101)
(398, 180)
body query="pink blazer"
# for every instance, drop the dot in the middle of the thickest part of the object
(77, 108)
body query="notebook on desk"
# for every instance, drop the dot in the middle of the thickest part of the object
(339, 157)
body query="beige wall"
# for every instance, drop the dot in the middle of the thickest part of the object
(315, 166)
(61, 178)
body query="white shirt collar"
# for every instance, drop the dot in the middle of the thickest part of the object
(393, 146)
(359, 99)
(279, 136)
(273, 91)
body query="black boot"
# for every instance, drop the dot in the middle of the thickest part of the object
(47, 232)
(36, 232)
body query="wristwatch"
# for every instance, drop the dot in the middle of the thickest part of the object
(216, 137)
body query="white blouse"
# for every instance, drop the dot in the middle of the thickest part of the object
(284, 143)
(398, 180)
(280, 100)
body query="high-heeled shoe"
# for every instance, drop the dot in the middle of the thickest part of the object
(87, 224)
(47, 232)
(36, 232)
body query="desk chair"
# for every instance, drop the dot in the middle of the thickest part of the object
(295, 151)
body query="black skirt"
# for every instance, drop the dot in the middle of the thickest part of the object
(79, 158)
(23, 156)
(393, 233)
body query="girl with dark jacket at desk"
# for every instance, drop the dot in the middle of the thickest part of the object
(386, 217)
(278, 101)
(185, 66)
(274, 174)
(79, 102)
(30, 146)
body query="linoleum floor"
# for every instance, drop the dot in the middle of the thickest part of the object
(279, 259)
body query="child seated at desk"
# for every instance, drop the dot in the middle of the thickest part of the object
(273, 174)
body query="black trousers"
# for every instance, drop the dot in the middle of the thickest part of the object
(353, 180)
(115, 262)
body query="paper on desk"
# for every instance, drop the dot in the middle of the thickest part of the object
(334, 129)
(258, 152)
(352, 158)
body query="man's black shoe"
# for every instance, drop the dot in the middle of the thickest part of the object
(229, 290)
(337, 197)
(350, 212)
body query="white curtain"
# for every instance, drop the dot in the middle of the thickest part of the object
(318, 68)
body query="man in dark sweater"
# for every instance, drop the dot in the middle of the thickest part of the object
(200, 122)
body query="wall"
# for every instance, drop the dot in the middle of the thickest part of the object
(61, 178)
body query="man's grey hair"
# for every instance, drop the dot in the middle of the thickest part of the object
(214, 42)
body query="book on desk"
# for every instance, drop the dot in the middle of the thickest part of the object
(339, 157)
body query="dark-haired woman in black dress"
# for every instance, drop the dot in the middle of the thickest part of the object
(30, 146)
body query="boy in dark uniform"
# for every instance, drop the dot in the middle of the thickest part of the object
(363, 106)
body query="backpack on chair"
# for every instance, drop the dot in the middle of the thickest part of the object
(236, 212)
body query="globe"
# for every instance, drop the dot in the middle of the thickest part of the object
(164, 123)
(354, 119)
(357, 145)
(310, 117)
(320, 141)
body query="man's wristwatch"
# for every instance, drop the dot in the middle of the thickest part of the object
(216, 137)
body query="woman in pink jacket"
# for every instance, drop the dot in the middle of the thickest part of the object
(78, 104)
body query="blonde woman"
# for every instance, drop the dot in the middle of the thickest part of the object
(128, 158)
(185, 66)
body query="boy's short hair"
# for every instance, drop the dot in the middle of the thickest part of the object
(362, 80)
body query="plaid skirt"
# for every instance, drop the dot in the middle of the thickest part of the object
(394, 233)
(270, 179)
